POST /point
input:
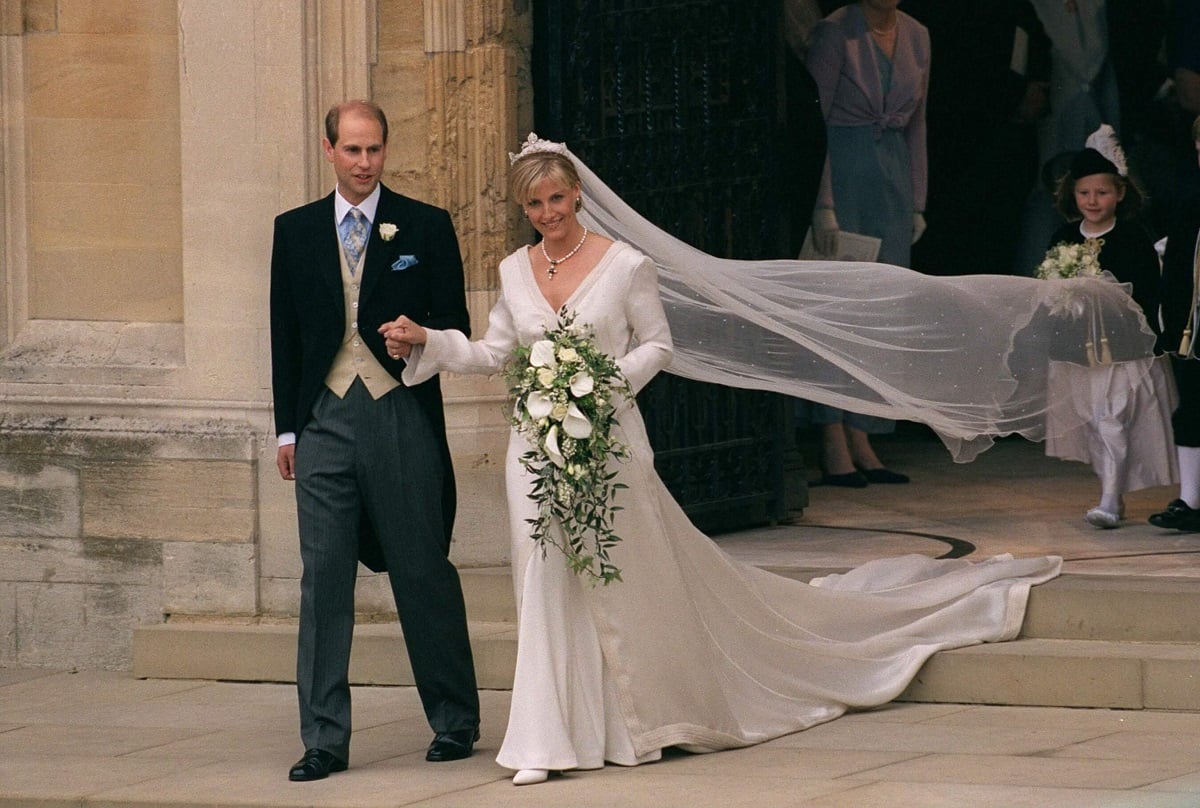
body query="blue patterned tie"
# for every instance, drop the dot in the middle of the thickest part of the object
(353, 231)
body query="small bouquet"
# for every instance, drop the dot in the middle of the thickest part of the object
(562, 390)
(1065, 260)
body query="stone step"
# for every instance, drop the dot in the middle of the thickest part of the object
(1064, 673)
(267, 653)
(1087, 642)
(488, 592)
(1091, 607)
(1041, 672)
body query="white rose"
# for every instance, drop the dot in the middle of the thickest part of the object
(559, 412)
(546, 377)
(387, 231)
(576, 423)
(541, 354)
(568, 354)
(582, 384)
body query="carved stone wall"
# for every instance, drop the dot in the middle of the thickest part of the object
(137, 476)
(453, 76)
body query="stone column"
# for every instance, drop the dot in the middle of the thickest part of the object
(12, 165)
(453, 76)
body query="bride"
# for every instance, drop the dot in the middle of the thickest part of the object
(690, 648)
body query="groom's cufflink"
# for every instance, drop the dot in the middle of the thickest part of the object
(404, 262)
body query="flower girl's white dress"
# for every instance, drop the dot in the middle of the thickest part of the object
(691, 648)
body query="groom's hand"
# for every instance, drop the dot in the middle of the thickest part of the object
(285, 461)
(400, 335)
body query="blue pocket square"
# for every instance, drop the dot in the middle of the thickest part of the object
(404, 262)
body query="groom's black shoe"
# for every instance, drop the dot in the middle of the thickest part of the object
(452, 745)
(317, 764)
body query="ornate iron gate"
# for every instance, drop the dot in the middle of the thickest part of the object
(678, 106)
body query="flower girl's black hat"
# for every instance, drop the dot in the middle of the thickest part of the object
(1101, 155)
(1090, 161)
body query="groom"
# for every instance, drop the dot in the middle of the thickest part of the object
(368, 455)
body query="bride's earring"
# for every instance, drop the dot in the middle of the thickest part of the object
(578, 203)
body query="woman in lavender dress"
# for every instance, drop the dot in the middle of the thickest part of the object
(871, 64)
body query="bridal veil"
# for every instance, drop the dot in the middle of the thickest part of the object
(966, 355)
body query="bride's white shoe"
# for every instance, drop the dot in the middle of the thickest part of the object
(528, 777)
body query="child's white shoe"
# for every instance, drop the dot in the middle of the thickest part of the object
(529, 777)
(1101, 518)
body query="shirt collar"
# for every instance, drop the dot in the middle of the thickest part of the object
(1096, 235)
(368, 206)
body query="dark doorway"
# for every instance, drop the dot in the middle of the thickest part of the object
(681, 108)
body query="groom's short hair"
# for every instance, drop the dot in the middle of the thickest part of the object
(368, 108)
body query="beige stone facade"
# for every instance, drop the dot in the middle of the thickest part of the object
(145, 147)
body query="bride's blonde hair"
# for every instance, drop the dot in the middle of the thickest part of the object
(530, 169)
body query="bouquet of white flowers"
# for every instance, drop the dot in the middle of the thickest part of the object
(562, 390)
(1065, 260)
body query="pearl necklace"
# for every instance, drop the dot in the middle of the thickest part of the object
(884, 31)
(552, 270)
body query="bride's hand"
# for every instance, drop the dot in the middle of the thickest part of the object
(400, 335)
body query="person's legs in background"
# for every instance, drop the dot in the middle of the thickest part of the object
(847, 458)
(1184, 513)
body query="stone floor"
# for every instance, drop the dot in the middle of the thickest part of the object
(1011, 499)
(104, 740)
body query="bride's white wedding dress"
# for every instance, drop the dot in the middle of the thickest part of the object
(693, 649)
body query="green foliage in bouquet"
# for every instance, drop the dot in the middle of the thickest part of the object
(564, 392)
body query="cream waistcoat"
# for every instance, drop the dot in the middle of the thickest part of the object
(354, 359)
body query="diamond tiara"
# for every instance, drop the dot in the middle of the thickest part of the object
(534, 144)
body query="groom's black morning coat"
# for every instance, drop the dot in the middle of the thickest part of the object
(308, 319)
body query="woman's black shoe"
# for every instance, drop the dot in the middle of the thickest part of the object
(1178, 516)
(883, 476)
(851, 479)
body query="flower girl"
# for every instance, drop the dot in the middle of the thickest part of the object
(1112, 413)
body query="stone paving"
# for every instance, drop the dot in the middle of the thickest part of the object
(105, 739)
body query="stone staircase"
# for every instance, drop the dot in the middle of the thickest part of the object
(1088, 641)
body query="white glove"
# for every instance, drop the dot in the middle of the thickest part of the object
(825, 231)
(918, 226)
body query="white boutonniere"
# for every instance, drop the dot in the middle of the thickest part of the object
(387, 231)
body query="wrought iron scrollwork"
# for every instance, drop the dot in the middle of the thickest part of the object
(677, 105)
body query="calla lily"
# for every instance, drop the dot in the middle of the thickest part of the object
(551, 446)
(576, 423)
(582, 384)
(541, 354)
(538, 404)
